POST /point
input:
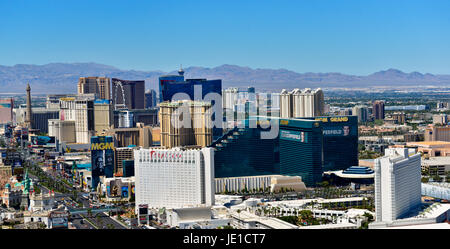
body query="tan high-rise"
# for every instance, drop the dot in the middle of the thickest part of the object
(103, 116)
(98, 85)
(301, 103)
(195, 130)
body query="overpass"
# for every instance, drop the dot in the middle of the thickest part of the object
(93, 210)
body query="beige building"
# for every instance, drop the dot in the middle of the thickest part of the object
(440, 119)
(80, 110)
(194, 128)
(100, 86)
(400, 118)
(63, 130)
(301, 103)
(141, 136)
(103, 116)
(125, 153)
(437, 133)
(436, 165)
(431, 148)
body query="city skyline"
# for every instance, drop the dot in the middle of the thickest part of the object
(349, 37)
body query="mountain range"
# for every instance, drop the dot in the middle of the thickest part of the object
(63, 77)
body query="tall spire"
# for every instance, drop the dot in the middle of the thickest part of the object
(28, 121)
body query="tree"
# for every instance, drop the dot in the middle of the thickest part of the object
(437, 178)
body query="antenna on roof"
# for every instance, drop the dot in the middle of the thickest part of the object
(181, 71)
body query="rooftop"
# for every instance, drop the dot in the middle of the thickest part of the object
(424, 226)
(428, 143)
(442, 160)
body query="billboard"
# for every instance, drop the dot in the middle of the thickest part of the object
(37, 141)
(124, 191)
(298, 136)
(102, 158)
(339, 126)
(6, 110)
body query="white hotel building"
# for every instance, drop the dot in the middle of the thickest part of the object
(174, 178)
(397, 185)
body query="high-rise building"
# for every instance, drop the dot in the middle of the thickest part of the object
(138, 136)
(128, 94)
(301, 103)
(122, 154)
(53, 99)
(63, 130)
(6, 110)
(362, 112)
(256, 156)
(174, 87)
(397, 184)
(81, 110)
(145, 116)
(102, 158)
(378, 109)
(234, 96)
(150, 98)
(39, 116)
(165, 82)
(185, 123)
(301, 149)
(126, 119)
(103, 115)
(340, 142)
(296, 151)
(174, 178)
(100, 86)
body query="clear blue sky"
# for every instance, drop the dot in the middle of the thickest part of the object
(348, 36)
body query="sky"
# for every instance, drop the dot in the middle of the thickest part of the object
(347, 36)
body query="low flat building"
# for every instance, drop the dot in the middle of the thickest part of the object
(431, 216)
(436, 165)
(431, 148)
(272, 183)
(247, 220)
(198, 217)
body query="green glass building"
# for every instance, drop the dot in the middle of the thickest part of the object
(300, 146)
(340, 142)
(241, 152)
(296, 151)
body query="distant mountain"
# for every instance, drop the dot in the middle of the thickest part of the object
(63, 77)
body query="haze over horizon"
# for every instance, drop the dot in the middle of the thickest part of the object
(349, 37)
